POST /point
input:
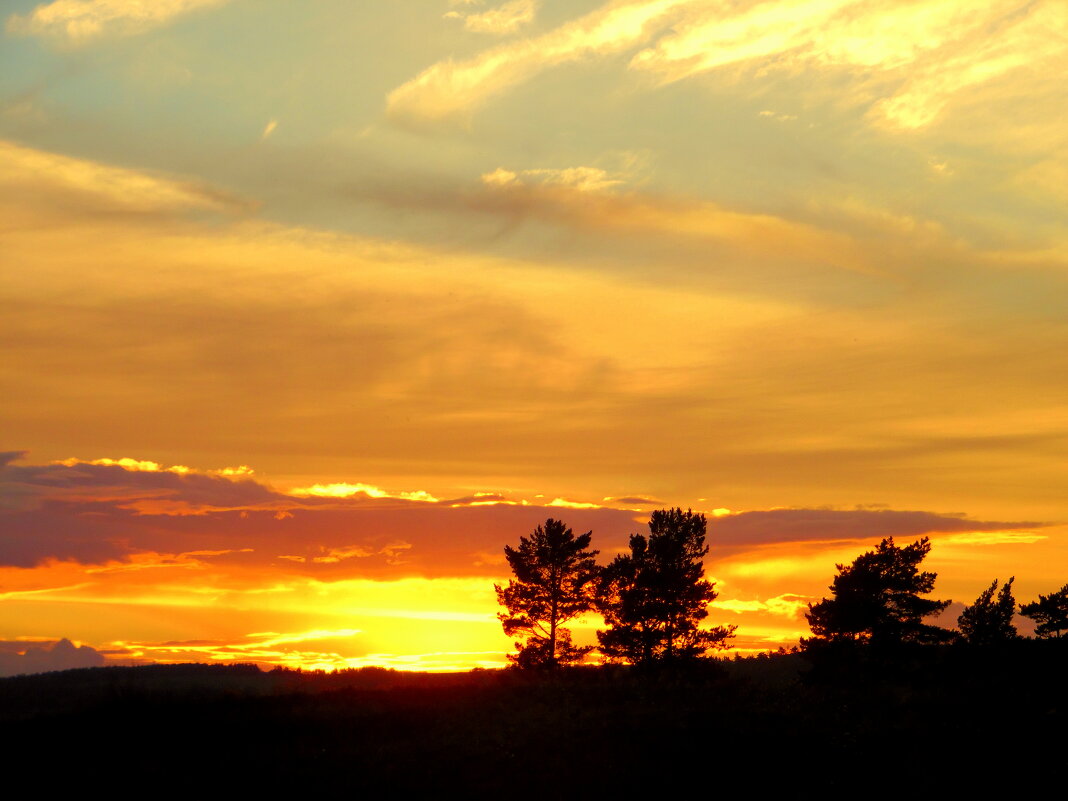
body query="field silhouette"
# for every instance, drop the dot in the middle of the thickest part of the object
(840, 723)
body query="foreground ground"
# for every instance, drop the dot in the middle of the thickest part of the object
(912, 724)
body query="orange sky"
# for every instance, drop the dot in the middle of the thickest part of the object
(800, 262)
(143, 561)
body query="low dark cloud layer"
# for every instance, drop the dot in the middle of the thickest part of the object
(19, 657)
(95, 514)
(635, 500)
(114, 482)
(808, 525)
(7, 457)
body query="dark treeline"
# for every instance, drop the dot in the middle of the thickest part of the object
(654, 599)
(933, 718)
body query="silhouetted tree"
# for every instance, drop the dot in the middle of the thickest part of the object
(654, 597)
(877, 599)
(1050, 612)
(554, 578)
(989, 621)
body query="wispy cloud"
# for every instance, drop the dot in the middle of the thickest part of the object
(146, 465)
(31, 172)
(750, 529)
(77, 21)
(946, 46)
(787, 605)
(907, 62)
(450, 89)
(504, 19)
(584, 179)
(345, 490)
(577, 197)
(325, 649)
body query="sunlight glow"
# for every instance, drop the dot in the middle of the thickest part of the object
(561, 502)
(345, 490)
(126, 463)
(81, 20)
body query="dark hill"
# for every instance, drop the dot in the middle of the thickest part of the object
(883, 726)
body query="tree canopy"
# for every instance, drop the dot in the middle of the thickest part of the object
(989, 621)
(654, 598)
(554, 574)
(1050, 613)
(877, 599)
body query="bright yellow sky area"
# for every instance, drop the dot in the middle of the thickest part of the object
(309, 309)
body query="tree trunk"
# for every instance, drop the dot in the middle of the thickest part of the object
(552, 619)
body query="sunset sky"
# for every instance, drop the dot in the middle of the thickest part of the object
(308, 309)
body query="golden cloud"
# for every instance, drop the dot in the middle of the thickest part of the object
(910, 60)
(78, 21)
(29, 171)
(450, 89)
(584, 179)
(504, 19)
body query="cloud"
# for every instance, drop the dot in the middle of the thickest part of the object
(137, 486)
(787, 605)
(17, 658)
(483, 499)
(450, 89)
(908, 62)
(988, 537)
(1029, 37)
(589, 200)
(584, 179)
(566, 504)
(323, 649)
(393, 551)
(796, 32)
(315, 649)
(148, 520)
(946, 47)
(78, 21)
(577, 198)
(136, 519)
(504, 19)
(344, 490)
(823, 525)
(7, 457)
(137, 465)
(57, 180)
(497, 371)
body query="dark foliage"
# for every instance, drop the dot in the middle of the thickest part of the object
(1050, 613)
(989, 621)
(877, 599)
(889, 730)
(554, 578)
(654, 598)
